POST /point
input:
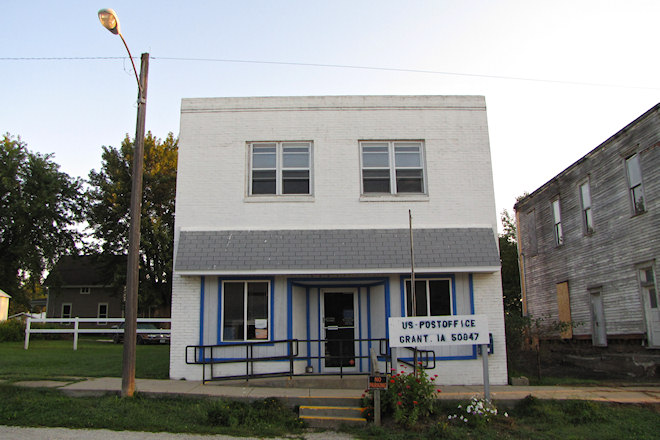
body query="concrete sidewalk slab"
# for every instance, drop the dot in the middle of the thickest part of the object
(649, 394)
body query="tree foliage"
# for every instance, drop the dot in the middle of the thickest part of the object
(39, 209)
(510, 272)
(108, 215)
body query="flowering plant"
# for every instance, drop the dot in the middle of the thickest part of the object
(409, 396)
(478, 411)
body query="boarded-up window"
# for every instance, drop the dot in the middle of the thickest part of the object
(564, 305)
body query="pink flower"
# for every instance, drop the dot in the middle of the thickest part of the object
(399, 394)
(408, 386)
(391, 380)
(439, 390)
(399, 403)
(415, 402)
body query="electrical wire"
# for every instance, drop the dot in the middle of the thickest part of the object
(346, 66)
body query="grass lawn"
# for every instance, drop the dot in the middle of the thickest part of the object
(531, 419)
(50, 359)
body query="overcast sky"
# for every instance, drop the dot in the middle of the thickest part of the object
(559, 77)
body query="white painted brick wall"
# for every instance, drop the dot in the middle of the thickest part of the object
(213, 180)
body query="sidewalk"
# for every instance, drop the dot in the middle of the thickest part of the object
(505, 394)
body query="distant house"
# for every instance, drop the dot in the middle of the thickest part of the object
(590, 241)
(292, 239)
(85, 287)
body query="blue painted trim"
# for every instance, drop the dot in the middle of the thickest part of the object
(471, 282)
(271, 311)
(369, 317)
(289, 313)
(201, 310)
(388, 308)
(318, 311)
(359, 312)
(308, 324)
(446, 358)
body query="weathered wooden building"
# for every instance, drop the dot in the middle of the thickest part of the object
(589, 241)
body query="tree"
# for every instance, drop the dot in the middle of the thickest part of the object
(40, 207)
(109, 204)
(510, 271)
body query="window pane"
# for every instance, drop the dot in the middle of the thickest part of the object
(555, 211)
(295, 182)
(407, 155)
(263, 182)
(588, 221)
(257, 310)
(376, 181)
(634, 172)
(440, 297)
(375, 155)
(586, 196)
(264, 156)
(295, 156)
(409, 181)
(638, 199)
(653, 298)
(233, 308)
(420, 298)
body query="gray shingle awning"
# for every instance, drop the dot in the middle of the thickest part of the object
(335, 251)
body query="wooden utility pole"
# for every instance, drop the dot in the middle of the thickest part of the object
(133, 265)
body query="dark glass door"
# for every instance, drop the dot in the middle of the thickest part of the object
(339, 325)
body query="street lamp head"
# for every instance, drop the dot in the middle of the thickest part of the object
(109, 20)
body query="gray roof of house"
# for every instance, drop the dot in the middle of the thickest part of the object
(335, 250)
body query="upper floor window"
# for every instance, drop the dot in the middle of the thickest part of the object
(85, 290)
(392, 167)
(280, 168)
(634, 173)
(585, 202)
(432, 298)
(245, 312)
(556, 215)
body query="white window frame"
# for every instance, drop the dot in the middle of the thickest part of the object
(586, 208)
(392, 167)
(245, 311)
(98, 313)
(558, 233)
(428, 296)
(635, 187)
(649, 288)
(85, 290)
(279, 168)
(68, 315)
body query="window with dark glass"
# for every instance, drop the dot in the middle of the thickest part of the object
(432, 298)
(280, 168)
(392, 167)
(245, 310)
(585, 201)
(559, 232)
(636, 191)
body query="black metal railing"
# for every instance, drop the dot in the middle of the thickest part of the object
(343, 361)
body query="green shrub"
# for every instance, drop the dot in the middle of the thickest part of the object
(12, 330)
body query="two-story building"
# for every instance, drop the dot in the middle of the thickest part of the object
(292, 242)
(590, 240)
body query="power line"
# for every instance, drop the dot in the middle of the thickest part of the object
(346, 66)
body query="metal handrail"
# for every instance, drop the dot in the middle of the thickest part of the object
(205, 355)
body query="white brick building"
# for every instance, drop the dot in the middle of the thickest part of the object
(292, 225)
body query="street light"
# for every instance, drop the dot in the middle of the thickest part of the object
(110, 21)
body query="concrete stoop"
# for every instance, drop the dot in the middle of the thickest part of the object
(331, 412)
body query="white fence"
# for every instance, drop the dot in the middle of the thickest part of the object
(76, 330)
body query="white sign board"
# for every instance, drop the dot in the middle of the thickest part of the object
(433, 331)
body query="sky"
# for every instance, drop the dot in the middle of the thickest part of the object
(559, 77)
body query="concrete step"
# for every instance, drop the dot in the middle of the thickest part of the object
(322, 401)
(331, 416)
